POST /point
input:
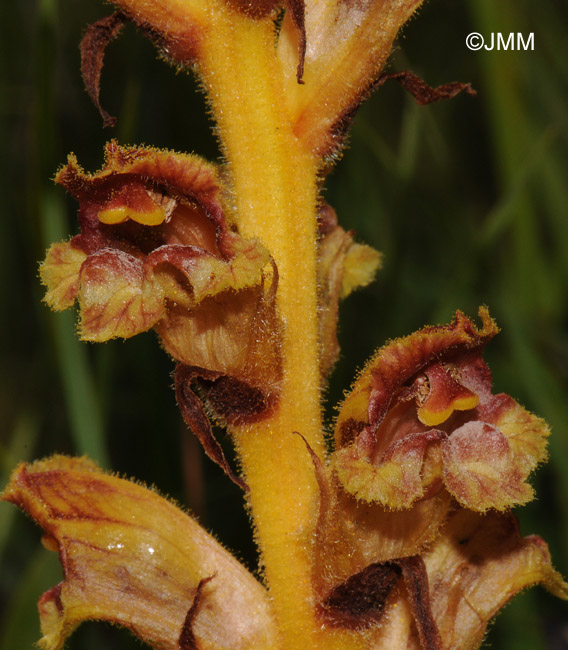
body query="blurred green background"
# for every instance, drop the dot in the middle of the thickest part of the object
(467, 199)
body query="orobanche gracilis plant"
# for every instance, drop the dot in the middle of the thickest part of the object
(402, 536)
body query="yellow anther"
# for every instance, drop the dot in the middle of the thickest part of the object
(114, 215)
(118, 215)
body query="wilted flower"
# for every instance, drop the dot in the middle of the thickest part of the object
(131, 557)
(444, 598)
(478, 564)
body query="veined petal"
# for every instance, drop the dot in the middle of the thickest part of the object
(221, 336)
(116, 298)
(132, 558)
(60, 274)
(353, 535)
(207, 274)
(397, 481)
(158, 251)
(487, 461)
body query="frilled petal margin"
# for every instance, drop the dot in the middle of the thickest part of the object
(60, 274)
(395, 482)
(395, 364)
(422, 415)
(486, 462)
(132, 558)
(121, 295)
(153, 239)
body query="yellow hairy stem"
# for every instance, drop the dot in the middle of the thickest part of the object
(274, 185)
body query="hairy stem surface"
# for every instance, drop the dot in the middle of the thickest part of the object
(274, 185)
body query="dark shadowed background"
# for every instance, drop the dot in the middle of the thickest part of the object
(467, 199)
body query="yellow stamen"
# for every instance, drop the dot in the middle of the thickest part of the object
(432, 418)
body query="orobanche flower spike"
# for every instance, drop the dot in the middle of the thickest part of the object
(402, 536)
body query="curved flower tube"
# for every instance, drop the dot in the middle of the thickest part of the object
(422, 416)
(328, 59)
(347, 45)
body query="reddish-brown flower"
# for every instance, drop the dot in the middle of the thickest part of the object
(157, 250)
(422, 416)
